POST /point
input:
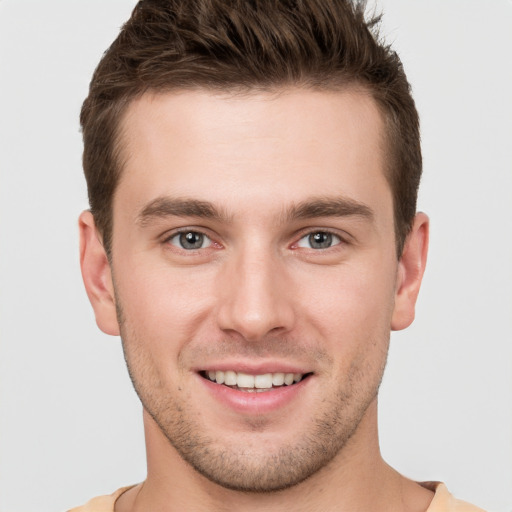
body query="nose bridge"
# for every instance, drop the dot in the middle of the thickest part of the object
(255, 297)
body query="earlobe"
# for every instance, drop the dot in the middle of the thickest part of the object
(410, 273)
(97, 275)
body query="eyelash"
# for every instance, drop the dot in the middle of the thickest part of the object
(336, 239)
(185, 231)
(327, 232)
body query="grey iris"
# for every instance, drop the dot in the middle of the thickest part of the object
(320, 240)
(191, 240)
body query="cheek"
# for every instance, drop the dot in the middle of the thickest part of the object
(348, 295)
(353, 304)
(163, 307)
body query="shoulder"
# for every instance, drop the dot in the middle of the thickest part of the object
(444, 502)
(101, 503)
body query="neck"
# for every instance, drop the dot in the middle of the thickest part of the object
(357, 479)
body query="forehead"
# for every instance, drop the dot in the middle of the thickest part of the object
(252, 147)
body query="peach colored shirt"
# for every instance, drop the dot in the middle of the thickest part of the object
(443, 501)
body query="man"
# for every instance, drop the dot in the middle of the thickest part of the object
(252, 169)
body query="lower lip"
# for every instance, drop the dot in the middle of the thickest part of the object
(255, 403)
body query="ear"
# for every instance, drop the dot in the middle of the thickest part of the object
(410, 273)
(97, 275)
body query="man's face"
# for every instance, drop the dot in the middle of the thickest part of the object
(253, 240)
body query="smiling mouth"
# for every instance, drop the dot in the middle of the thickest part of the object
(253, 383)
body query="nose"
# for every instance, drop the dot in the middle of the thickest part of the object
(255, 296)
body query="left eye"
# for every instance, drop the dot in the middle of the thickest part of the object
(190, 240)
(319, 240)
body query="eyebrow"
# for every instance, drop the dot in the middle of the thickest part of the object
(179, 207)
(162, 207)
(329, 207)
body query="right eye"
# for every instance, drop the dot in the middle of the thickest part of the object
(190, 240)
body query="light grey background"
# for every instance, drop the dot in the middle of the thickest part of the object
(70, 425)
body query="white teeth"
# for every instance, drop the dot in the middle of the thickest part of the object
(288, 379)
(263, 381)
(253, 382)
(230, 378)
(278, 379)
(244, 380)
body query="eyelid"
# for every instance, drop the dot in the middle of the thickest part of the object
(177, 238)
(343, 237)
(169, 235)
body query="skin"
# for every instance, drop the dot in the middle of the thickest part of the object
(259, 294)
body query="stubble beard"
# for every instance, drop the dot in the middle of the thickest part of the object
(242, 467)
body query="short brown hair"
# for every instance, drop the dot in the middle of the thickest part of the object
(248, 45)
